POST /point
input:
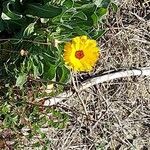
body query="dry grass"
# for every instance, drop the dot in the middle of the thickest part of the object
(114, 115)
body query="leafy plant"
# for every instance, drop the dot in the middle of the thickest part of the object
(36, 27)
(32, 37)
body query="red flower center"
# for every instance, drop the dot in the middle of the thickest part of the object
(79, 54)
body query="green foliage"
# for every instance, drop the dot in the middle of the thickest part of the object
(29, 121)
(34, 26)
(32, 37)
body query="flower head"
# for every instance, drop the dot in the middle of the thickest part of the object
(81, 53)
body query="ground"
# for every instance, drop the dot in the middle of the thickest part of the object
(118, 114)
(113, 115)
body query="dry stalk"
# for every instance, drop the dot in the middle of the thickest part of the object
(98, 80)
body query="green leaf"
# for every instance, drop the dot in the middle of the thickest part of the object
(62, 74)
(51, 55)
(80, 15)
(102, 3)
(80, 31)
(50, 72)
(44, 20)
(38, 65)
(5, 109)
(88, 9)
(8, 14)
(85, 6)
(43, 11)
(68, 3)
(66, 26)
(97, 2)
(95, 19)
(29, 29)
(35, 71)
(21, 80)
(67, 16)
(83, 24)
(101, 12)
(35, 65)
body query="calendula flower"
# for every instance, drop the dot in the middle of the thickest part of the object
(81, 53)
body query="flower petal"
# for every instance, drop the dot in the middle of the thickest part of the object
(89, 57)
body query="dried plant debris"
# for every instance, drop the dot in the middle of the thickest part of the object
(114, 115)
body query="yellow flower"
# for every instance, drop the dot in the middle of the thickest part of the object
(81, 53)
